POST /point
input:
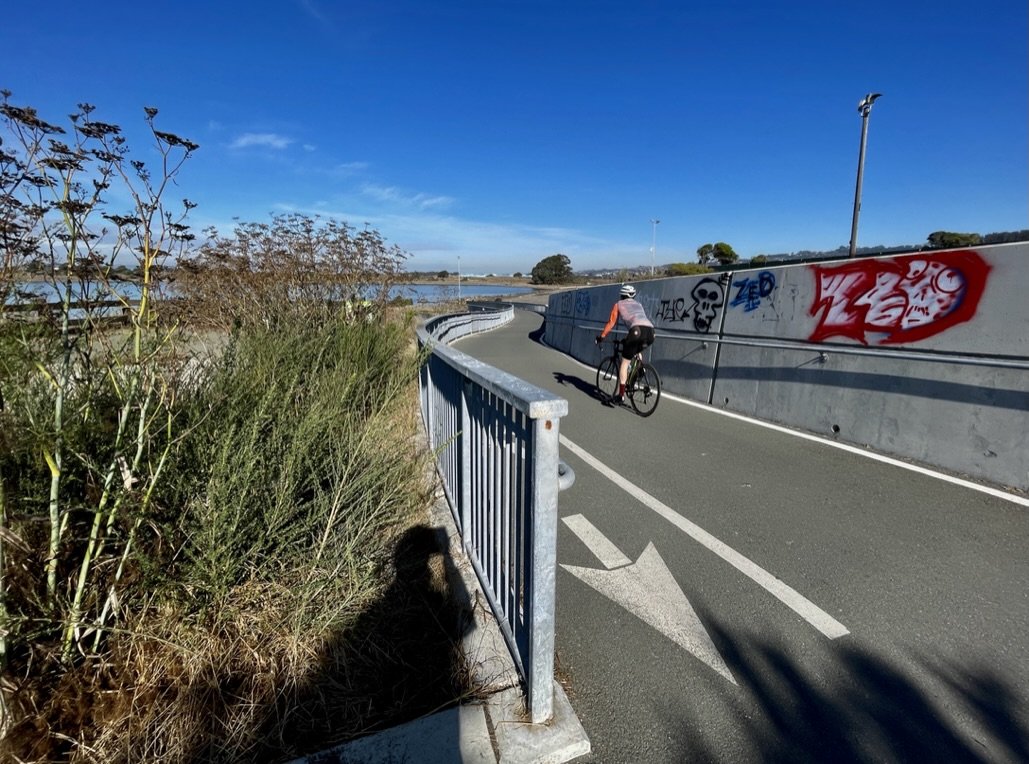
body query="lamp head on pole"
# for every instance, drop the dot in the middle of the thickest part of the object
(865, 106)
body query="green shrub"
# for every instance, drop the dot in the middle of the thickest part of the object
(292, 447)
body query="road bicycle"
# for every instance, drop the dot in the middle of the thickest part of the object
(642, 383)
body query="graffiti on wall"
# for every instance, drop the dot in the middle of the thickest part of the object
(902, 300)
(750, 290)
(566, 304)
(707, 295)
(582, 302)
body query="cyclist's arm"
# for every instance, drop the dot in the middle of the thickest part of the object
(611, 321)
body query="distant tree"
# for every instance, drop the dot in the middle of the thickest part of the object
(517, 274)
(759, 260)
(686, 269)
(950, 240)
(721, 252)
(1005, 237)
(556, 269)
(442, 275)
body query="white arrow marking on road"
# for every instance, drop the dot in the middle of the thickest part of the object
(609, 555)
(648, 590)
(789, 596)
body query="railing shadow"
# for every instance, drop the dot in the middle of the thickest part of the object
(849, 704)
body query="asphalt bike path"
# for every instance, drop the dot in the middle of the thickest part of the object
(731, 592)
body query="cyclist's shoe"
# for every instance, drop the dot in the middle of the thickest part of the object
(617, 399)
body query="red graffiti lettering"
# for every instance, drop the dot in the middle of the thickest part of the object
(904, 300)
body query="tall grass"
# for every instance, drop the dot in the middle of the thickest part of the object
(272, 537)
(301, 438)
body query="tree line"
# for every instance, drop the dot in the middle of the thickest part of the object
(557, 269)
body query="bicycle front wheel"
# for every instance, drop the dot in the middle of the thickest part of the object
(607, 377)
(646, 391)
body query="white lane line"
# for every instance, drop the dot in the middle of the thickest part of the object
(806, 609)
(995, 492)
(609, 555)
(882, 458)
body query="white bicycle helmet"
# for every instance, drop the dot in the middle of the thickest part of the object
(628, 290)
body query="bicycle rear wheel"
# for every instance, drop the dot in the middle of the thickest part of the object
(646, 391)
(607, 377)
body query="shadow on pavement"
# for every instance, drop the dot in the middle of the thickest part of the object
(581, 385)
(848, 704)
(538, 334)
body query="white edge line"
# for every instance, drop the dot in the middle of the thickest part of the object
(995, 492)
(790, 597)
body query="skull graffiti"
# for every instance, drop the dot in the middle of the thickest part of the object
(708, 296)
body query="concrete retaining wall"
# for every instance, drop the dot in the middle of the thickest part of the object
(922, 356)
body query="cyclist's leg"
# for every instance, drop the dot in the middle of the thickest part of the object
(646, 337)
(623, 371)
(631, 346)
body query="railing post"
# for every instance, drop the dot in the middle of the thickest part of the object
(544, 565)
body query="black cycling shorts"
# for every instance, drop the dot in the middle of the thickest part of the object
(639, 337)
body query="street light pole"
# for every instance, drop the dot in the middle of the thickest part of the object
(864, 109)
(653, 246)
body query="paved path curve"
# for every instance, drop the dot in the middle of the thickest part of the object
(734, 593)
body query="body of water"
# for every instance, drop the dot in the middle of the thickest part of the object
(414, 292)
(442, 293)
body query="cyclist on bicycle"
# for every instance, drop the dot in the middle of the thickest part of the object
(640, 336)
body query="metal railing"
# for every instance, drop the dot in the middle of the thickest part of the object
(496, 439)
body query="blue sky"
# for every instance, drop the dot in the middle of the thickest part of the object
(493, 133)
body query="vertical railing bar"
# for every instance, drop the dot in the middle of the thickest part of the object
(483, 456)
(508, 526)
(475, 431)
(518, 541)
(498, 509)
(527, 520)
(504, 536)
(463, 469)
(494, 504)
(483, 476)
(505, 560)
